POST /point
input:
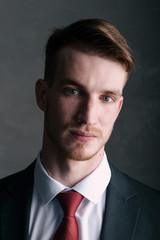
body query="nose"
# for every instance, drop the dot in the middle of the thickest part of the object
(87, 112)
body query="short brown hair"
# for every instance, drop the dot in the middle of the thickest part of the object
(93, 36)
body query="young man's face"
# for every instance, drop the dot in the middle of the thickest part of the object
(83, 103)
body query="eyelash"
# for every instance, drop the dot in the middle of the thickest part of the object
(68, 91)
(111, 99)
(71, 91)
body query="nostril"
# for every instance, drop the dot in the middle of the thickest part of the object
(80, 120)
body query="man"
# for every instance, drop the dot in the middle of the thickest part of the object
(87, 66)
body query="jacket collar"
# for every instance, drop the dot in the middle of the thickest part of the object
(121, 212)
(120, 217)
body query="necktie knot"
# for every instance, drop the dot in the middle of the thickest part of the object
(69, 202)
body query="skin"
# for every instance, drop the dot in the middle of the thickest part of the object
(80, 110)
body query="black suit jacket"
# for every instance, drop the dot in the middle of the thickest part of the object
(132, 209)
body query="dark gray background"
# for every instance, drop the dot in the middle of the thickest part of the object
(24, 29)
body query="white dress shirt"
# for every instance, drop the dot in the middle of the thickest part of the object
(46, 213)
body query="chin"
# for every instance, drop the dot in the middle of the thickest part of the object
(80, 156)
(81, 153)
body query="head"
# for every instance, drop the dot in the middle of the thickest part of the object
(92, 36)
(87, 65)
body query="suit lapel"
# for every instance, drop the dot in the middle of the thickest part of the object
(120, 217)
(121, 212)
(16, 206)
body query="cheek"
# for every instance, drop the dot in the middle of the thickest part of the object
(67, 108)
(108, 117)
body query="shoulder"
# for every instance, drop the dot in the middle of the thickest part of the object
(121, 179)
(16, 182)
(17, 176)
(134, 202)
(146, 196)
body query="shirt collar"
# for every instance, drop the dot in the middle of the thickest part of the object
(91, 187)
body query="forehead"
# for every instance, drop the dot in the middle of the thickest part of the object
(89, 69)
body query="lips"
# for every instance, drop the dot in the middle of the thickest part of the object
(82, 135)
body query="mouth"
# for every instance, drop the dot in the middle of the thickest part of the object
(82, 135)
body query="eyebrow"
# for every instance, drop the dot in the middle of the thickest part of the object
(71, 82)
(113, 92)
(81, 86)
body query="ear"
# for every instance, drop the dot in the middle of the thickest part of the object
(120, 105)
(41, 94)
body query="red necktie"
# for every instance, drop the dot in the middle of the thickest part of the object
(68, 229)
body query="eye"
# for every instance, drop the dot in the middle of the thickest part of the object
(107, 99)
(71, 91)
